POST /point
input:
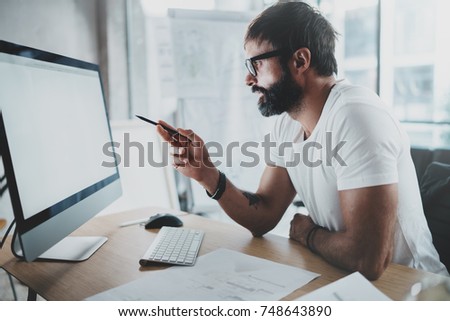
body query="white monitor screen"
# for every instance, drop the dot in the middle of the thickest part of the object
(55, 129)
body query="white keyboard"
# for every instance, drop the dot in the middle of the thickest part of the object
(174, 245)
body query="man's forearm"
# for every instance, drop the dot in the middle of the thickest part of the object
(340, 249)
(248, 209)
(365, 241)
(258, 212)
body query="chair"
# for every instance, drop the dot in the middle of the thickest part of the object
(435, 192)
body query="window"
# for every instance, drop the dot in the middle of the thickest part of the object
(399, 49)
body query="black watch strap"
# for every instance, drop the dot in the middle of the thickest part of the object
(221, 185)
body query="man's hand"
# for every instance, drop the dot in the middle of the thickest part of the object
(190, 156)
(301, 225)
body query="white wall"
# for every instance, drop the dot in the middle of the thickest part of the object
(67, 27)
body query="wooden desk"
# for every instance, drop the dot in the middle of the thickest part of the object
(117, 261)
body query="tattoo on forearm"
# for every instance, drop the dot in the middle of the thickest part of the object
(253, 199)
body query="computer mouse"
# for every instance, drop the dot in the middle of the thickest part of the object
(163, 219)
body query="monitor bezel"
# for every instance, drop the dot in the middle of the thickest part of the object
(23, 226)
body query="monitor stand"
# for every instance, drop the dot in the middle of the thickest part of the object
(72, 248)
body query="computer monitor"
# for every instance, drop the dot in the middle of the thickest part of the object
(53, 128)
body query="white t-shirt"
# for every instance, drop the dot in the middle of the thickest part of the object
(356, 143)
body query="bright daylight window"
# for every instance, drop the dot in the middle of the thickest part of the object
(403, 56)
(398, 48)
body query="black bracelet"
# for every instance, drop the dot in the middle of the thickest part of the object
(220, 187)
(309, 238)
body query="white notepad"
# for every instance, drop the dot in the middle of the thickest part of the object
(354, 287)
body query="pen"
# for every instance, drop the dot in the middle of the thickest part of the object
(171, 131)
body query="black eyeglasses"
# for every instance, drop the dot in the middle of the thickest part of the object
(249, 62)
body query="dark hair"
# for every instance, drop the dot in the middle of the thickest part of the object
(294, 25)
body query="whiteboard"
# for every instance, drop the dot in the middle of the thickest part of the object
(213, 100)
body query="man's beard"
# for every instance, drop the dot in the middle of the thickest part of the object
(284, 95)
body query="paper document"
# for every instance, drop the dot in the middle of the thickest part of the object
(222, 275)
(353, 287)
